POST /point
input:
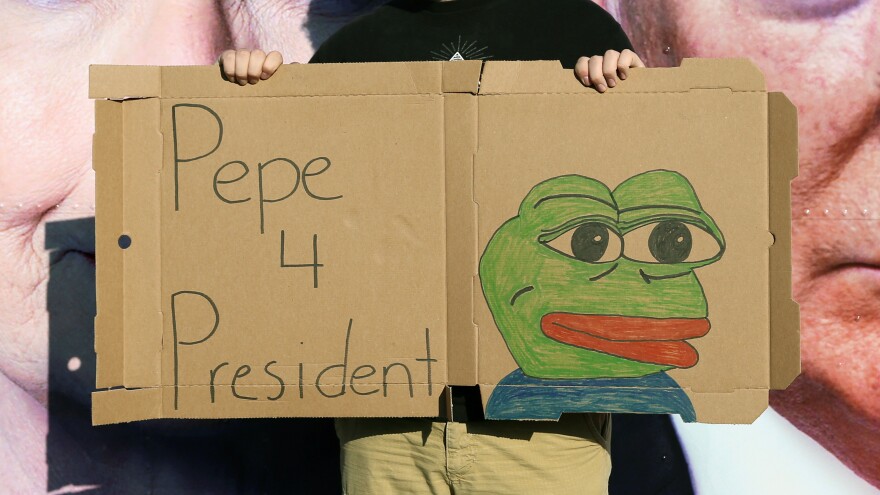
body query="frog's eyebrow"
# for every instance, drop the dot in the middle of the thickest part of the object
(574, 195)
(570, 222)
(671, 207)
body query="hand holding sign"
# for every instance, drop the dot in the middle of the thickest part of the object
(249, 66)
(602, 72)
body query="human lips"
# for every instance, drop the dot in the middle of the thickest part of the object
(859, 268)
(649, 340)
(850, 251)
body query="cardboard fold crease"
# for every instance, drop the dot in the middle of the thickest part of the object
(355, 239)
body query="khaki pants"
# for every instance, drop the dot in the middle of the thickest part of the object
(403, 456)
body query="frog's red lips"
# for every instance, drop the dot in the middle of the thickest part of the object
(649, 340)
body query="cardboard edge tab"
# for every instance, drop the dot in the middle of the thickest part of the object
(120, 82)
(107, 153)
(395, 78)
(785, 362)
(141, 269)
(460, 121)
(462, 76)
(737, 74)
(734, 74)
(736, 407)
(126, 405)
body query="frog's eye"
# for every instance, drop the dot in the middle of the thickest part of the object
(670, 241)
(592, 242)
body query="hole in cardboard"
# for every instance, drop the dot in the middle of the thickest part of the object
(124, 241)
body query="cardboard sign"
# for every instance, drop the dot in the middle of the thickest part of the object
(351, 240)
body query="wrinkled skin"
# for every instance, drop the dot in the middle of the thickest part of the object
(822, 53)
(575, 249)
(45, 160)
(825, 56)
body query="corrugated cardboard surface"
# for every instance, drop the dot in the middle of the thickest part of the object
(717, 138)
(400, 173)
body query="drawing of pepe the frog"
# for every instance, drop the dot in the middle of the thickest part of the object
(596, 295)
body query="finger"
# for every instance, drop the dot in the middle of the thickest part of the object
(255, 66)
(623, 63)
(242, 57)
(227, 61)
(271, 64)
(582, 70)
(597, 79)
(637, 62)
(609, 67)
(628, 60)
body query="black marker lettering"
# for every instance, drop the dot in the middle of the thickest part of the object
(280, 381)
(385, 371)
(314, 264)
(240, 177)
(428, 360)
(177, 159)
(213, 375)
(343, 365)
(306, 175)
(356, 376)
(300, 380)
(263, 200)
(192, 342)
(239, 374)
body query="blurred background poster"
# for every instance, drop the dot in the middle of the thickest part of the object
(821, 436)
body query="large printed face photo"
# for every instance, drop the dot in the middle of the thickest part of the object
(47, 269)
(823, 54)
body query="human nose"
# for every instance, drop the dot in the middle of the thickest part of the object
(180, 32)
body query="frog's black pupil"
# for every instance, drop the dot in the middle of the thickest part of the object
(670, 242)
(589, 242)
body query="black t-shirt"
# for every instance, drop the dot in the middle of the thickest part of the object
(415, 30)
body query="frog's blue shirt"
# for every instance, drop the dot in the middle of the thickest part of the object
(518, 396)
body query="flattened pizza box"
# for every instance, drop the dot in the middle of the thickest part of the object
(354, 239)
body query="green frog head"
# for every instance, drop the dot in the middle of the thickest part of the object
(585, 282)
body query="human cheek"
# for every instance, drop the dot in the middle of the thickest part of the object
(824, 59)
(44, 156)
(836, 280)
(825, 56)
(46, 179)
(47, 122)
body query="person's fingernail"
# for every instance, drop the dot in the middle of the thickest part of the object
(612, 83)
(264, 76)
(585, 81)
(622, 76)
(601, 88)
(241, 82)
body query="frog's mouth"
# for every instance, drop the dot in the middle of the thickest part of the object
(648, 340)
